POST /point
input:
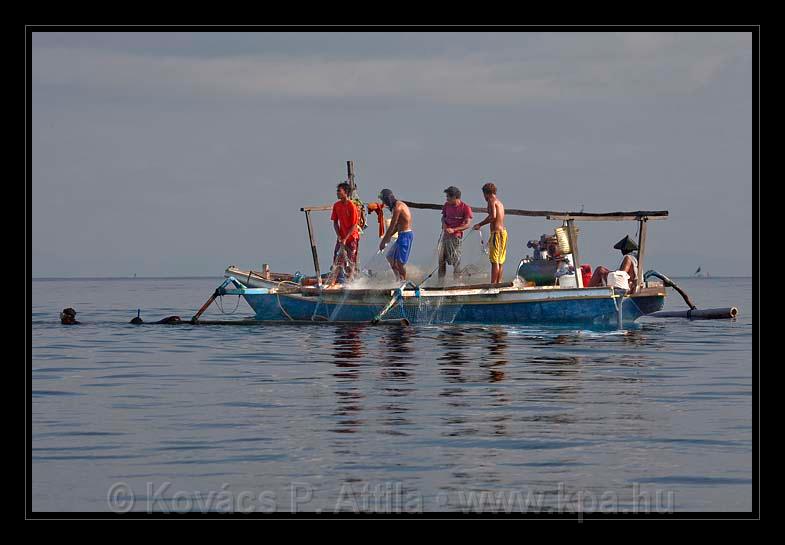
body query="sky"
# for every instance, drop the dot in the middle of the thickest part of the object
(177, 154)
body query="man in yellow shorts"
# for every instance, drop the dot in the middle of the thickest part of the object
(498, 241)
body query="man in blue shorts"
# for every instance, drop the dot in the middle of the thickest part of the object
(400, 223)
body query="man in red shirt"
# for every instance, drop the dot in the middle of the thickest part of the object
(456, 217)
(346, 220)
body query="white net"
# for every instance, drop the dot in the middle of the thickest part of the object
(425, 310)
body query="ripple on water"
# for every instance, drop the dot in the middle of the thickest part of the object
(460, 408)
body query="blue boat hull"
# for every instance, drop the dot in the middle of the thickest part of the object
(585, 310)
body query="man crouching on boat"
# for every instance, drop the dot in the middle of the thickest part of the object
(346, 219)
(400, 223)
(629, 265)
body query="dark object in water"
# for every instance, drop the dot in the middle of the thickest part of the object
(169, 320)
(68, 317)
(694, 313)
(699, 313)
(671, 284)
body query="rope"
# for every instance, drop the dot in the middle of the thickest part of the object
(220, 305)
(278, 298)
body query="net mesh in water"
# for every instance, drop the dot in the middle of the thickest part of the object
(417, 310)
(424, 310)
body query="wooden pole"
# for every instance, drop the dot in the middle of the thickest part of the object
(574, 250)
(641, 249)
(582, 216)
(550, 214)
(313, 244)
(350, 176)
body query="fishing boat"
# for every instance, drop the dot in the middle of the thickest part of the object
(482, 303)
(286, 297)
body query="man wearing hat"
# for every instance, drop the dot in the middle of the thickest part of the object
(629, 265)
(456, 217)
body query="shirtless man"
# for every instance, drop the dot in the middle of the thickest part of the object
(400, 223)
(497, 244)
(629, 265)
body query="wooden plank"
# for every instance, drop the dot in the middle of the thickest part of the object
(650, 291)
(549, 214)
(574, 250)
(313, 243)
(627, 216)
(641, 248)
(350, 177)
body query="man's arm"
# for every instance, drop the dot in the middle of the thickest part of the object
(491, 216)
(337, 231)
(463, 226)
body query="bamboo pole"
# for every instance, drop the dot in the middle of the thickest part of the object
(641, 249)
(350, 178)
(549, 214)
(574, 250)
(554, 215)
(313, 244)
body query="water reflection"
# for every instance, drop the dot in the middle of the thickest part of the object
(347, 353)
(395, 355)
(397, 379)
(497, 354)
(495, 363)
(388, 370)
(452, 355)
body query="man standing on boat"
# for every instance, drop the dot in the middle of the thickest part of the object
(346, 219)
(497, 245)
(400, 223)
(456, 217)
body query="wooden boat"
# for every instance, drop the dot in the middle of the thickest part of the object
(281, 297)
(481, 303)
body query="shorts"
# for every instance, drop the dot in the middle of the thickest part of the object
(402, 247)
(451, 250)
(498, 247)
(347, 262)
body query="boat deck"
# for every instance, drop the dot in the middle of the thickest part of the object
(284, 287)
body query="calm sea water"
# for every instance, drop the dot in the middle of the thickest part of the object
(383, 419)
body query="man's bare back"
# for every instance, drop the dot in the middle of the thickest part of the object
(496, 212)
(404, 218)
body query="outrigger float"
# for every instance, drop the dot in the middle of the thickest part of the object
(291, 298)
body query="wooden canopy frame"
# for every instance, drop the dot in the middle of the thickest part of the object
(641, 216)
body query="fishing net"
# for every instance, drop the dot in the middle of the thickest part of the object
(467, 263)
(465, 260)
(425, 310)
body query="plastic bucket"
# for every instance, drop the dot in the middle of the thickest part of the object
(586, 274)
(568, 281)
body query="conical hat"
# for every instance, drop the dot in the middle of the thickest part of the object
(626, 245)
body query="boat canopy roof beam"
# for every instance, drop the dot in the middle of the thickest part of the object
(548, 214)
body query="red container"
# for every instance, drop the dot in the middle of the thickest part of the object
(586, 274)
